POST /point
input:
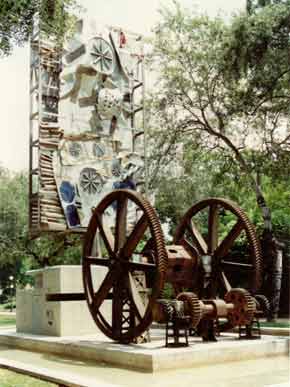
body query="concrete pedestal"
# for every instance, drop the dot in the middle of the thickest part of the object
(67, 318)
(151, 357)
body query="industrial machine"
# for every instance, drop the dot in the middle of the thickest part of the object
(200, 267)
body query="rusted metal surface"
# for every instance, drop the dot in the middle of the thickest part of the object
(138, 264)
(239, 308)
(181, 267)
(176, 334)
(244, 307)
(193, 307)
(131, 315)
(218, 272)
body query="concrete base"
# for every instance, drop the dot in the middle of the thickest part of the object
(37, 316)
(150, 357)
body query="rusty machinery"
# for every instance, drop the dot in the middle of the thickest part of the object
(203, 269)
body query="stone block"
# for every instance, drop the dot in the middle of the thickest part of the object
(66, 318)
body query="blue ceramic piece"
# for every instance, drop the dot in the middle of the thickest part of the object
(72, 215)
(126, 184)
(67, 192)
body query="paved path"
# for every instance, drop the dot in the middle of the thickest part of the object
(10, 314)
(267, 372)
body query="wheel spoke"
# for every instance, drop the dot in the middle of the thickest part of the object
(135, 236)
(107, 284)
(237, 265)
(225, 281)
(189, 247)
(197, 238)
(97, 261)
(114, 248)
(121, 222)
(212, 228)
(225, 246)
(136, 298)
(147, 267)
(106, 239)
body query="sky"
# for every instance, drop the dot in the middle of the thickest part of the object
(139, 16)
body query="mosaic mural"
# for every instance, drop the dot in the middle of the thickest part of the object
(96, 150)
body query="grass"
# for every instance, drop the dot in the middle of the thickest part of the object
(279, 324)
(7, 320)
(12, 379)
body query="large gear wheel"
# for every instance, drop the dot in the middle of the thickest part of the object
(192, 307)
(118, 250)
(244, 307)
(221, 265)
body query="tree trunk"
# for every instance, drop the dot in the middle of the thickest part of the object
(270, 245)
(272, 256)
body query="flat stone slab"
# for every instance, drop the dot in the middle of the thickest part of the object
(275, 331)
(56, 377)
(153, 356)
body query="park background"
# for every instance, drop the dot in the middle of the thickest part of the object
(208, 168)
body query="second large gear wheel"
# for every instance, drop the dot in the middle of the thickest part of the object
(228, 248)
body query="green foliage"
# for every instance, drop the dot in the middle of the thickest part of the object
(16, 20)
(256, 5)
(8, 307)
(17, 252)
(13, 222)
(256, 57)
(15, 23)
(168, 291)
(223, 93)
(213, 75)
(212, 174)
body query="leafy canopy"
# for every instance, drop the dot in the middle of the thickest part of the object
(17, 252)
(215, 174)
(16, 20)
(229, 81)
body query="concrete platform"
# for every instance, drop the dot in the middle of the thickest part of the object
(265, 372)
(275, 331)
(150, 357)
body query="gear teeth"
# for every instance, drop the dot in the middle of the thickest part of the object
(161, 261)
(193, 307)
(167, 308)
(244, 307)
(255, 247)
(263, 304)
(158, 234)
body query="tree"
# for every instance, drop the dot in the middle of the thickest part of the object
(16, 20)
(12, 225)
(17, 252)
(254, 5)
(213, 174)
(226, 87)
